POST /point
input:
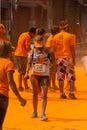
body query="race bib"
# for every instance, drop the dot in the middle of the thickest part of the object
(39, 68)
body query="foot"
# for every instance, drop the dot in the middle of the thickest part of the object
(21, 89)
(43, 117)
(63, 96)
(34, 115)
(28, 89)
(72, 96)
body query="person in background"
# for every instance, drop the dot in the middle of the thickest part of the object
(49, 42)
(64, 48)
(6, 79)
(21, 53)
(39, 60)
(3, 36)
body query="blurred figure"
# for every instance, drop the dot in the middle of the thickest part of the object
(64, 48)
(6, 79)
(22, 50)
(3, 36)
(49, 42)
(39, 60)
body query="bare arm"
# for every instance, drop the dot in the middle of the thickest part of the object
(72, 48)
(28, 68)
(14, 88)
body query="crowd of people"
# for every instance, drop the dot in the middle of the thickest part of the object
(39, 60)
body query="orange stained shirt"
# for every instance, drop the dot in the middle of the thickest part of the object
(23, 41)
(5, 66)
(62, 43)
(49, 41)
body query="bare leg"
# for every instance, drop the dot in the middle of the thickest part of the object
(72, 84)
(20, 82)
(61, 86)
(54, 86)
(71, 93)
(44, 90)
(35, 89)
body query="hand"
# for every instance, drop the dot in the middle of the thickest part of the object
(22, 102)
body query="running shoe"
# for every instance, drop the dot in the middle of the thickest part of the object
(43, 117)
(63, 96)
(21, 89)
(34, 115)
(72, 96)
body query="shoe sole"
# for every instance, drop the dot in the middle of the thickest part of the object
(44, 119)
(73, 98)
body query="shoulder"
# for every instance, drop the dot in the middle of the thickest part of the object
(8, 64)
(24, 34)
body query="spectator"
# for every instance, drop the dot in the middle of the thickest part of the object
(22, 50)
(3, 36)
(6, 79)
(49, 42)
(64, 48)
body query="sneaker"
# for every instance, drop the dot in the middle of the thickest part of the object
(43, 117)
(63, 96)
(28, 89)
(34, 115)
(21, 89)
(72, 96)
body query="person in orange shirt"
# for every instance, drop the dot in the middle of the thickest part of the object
(21, 52)
(49, 42)
(6, 79)
(64, 48)
(67, 87)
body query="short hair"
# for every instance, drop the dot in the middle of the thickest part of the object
(54, 30)
(63, 24)
(40, 31)
(32, 30)
(5, 47)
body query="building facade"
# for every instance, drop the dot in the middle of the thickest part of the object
(19, 15)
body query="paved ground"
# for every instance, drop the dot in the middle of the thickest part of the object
(62, 114)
